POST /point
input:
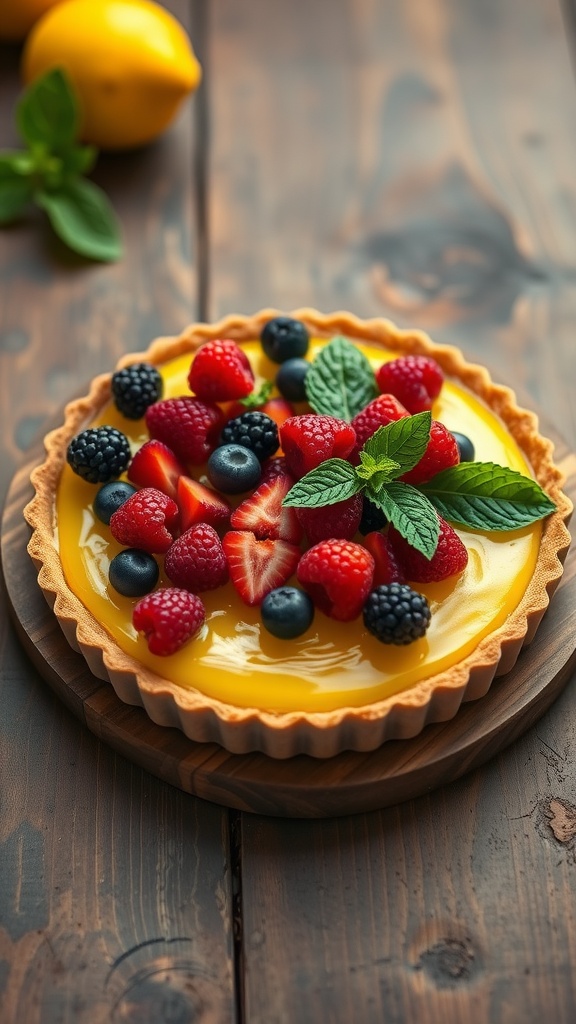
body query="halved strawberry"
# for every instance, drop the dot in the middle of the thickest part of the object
(258, 566)
(200, 504)
(155, 465)
(386, 567)
(262, 512)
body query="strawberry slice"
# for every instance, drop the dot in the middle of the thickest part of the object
(155, 465)
(386, 566)
(263, 514)
(200, 504)
(258, 566)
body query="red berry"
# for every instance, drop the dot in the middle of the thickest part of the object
(168, 618)
(263, 513)
(189, 426)
(309, 440)
(196, 561)
(338, 576)
(415, 381)
(155, 465)
(271, 468)
(339, 520)
(258, 566)
(378, 413)
(147, 520)
(220, 372)
(200, 504)
(386, 567)
(449, 558)
(441, 453)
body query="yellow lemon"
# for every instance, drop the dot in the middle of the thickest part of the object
(18, 16)
(130, 61)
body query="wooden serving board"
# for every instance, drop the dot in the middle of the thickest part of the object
(302, 787)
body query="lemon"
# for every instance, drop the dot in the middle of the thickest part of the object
(18, 16)
(130, 62)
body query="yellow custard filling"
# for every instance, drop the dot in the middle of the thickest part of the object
(334, 664)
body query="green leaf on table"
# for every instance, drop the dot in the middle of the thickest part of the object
(335, 480)
(15, 192)
(78, 160)
(411, 513)
(403, 440)
(340, 381)
(486, 496)
(47, 112)
(83, 218)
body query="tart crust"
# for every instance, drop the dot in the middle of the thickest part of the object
(320, 734)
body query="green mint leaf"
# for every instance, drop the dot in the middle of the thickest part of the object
(15, 192)
(340, 381)
(485, 496)
(48, 112)
(403, 440)
(258, 396)
(82, 217)
(383, 467)
(335, 480)
(78, 160)
(411, 513)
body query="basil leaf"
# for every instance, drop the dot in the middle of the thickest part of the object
(15, 192)
(404, 441)
(411, 513)
(340, 381)
(78, 160)
(335, 480)
(485, 496)
(47, 113)
(82, 217)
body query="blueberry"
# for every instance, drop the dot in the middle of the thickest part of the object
(233, 469)
(465, 447)
(284, 338)
(109, 498)
(290, 379)
(133, 573)
(287, 612)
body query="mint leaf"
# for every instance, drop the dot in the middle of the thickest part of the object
(259, 396)
(15, 192)
(340, 381)
(411, 513)
(486, 496)
(335, 480)
(82, 217)
(78, 160)
(404, 441)
(47, 112)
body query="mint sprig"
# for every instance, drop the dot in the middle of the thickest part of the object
(49, 172)
(340, 381)
(486, 496)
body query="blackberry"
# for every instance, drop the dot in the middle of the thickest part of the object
(135, 388)
(99, 454)
(372, 519)
(254, 430)
(396, 614)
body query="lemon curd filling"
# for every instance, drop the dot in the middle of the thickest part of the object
(334, 664)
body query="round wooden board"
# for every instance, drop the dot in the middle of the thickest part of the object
(301, 787)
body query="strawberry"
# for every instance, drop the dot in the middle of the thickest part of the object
(441, 452)
(414, 380)
(189, 426)
(220, 372)
(155, 465)
(386, 567)
(449, 558)
(339, 520)
(200, 504)
(309, 440)
(168, 617)
(378, 413)
(263, 514)
(337, 574)
(258, 566)
(196, 560)
(271, 468)
(146, 520)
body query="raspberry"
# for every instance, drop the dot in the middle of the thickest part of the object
(254, 430)
(221, 372)
(189, 426)
(136, 387)
(146, 521)
(378, 413)
(449, 558)
(414, 380)
(99, 454)
(168, 618)
(340, 520)
(441, 453)
(276, 466)
(196, 561)
(396, 614)
(338, 576)
(309, 440)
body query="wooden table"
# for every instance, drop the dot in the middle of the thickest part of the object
(415, 160)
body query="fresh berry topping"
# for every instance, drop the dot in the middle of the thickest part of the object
(110, 497)
(133, 573)
(233, 469)
(284, 338)
(291, 377)
(196, 560)
(200, 504)
(373, 517)
(415, 381)
(147, 520)
(287, 612)
(136, 387)
(189, 426)
(264, 515)
(339, 520)
(309, 440)
(220, 372)
(396, 614)
(155, 465)
(276, 466)
(378, 413)
(278, 409)
(386, 567)
(258, 566)
(338, 576)
(465, 447)
(450, 557)
(168, 618)
(253, 430)
(99, 454)
(441, 453)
